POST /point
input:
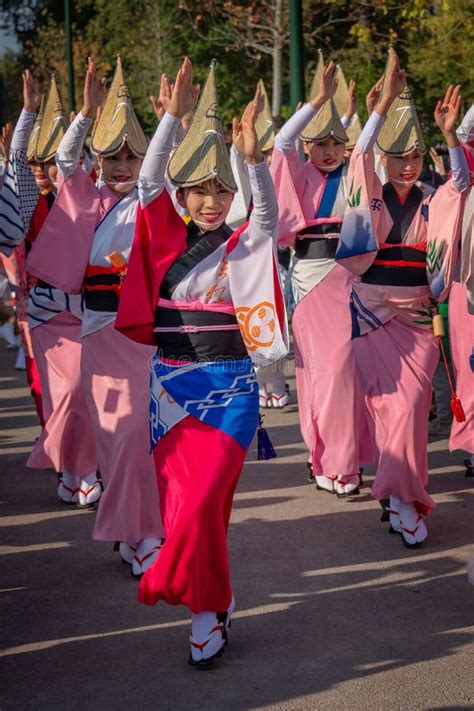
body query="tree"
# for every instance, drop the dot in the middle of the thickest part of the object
(10, 87)
(257, 29)
(434, 39)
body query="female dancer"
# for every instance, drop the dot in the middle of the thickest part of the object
(312, 200)
(53, 330)
(211, 300)
(404, 247)
(84, 246)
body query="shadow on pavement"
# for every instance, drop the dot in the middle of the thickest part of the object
(332, 612)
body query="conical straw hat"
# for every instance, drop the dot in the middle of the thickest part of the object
(202, 154)
(401, 133)
(264, 124)
(33, 140)
(53, 126)
(326, 123)
(118, 123)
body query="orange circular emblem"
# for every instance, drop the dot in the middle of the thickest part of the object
(257, 325)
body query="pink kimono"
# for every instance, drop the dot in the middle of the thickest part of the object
(52, 329)
(405, 254)
(312, 205)
(86, 226)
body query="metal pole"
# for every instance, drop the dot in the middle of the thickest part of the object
(296, 52)
(70, 66)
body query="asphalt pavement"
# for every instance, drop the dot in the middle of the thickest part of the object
(332, 612)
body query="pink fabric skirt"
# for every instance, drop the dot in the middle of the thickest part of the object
(197, 468)
(334, 421)
(67, 441)
(116, 381)
(461, 332)
(397, 362)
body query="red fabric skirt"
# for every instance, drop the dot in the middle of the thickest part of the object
(197, 468)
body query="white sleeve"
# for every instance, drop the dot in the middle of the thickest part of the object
(240, 204)
(459, 168)
(152, 174)
(289, 132)
(21, 134)
(370, 132)
(346, 121)
(69, 151)
(265, 206)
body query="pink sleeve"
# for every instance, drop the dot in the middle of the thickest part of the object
(445, 213)
(366, 221)
(60, 253)
(289, 180)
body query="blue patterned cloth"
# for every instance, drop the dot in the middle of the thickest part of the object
(223, 394)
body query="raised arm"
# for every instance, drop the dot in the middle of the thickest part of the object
(176, 100)
(240, 204)
(245, 140)
(351, 107)
(69, 151)
(152, 174)
(378, 101)
(285, 139)
(20, 192)
(446, 114)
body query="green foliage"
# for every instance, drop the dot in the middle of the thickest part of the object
(10, 99)
(434, 38)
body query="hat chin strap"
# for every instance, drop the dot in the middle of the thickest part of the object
(403, 182)
(206, 225)
(115, 183)
(329, 168)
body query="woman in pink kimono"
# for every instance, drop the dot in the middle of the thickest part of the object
(404, 247)
(84, 247)
(51, 320)
(312, 200)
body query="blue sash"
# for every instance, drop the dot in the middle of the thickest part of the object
(330, 192)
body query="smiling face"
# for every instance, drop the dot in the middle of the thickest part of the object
(326, 155)
(121, 171)
(404, 171)
(207, 204)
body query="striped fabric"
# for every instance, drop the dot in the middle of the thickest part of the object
(44, 303)
(17, 202)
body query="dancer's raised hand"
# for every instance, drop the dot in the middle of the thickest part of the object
(374, 95)
(31, 92)
(244, 134)
(181, 97)
(327, 86)
(393, 84)
(447, 112)
(94, 91)
(158, 107)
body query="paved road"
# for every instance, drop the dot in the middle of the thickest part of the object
(333, 613)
